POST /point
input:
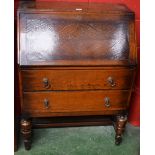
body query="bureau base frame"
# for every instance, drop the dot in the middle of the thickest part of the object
(27, 124)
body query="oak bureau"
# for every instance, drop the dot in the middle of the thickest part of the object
(77, 64)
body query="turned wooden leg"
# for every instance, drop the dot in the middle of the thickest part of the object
(26, 132)
(119, 128)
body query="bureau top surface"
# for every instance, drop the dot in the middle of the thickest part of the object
(75, 34)
(74, 7)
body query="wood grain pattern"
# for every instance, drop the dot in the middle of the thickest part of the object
(74, 101)
(75, 60)
(121, 121)
(71, 7)
(65, 37)
(26, 126)
(76, 79)
(47, 39)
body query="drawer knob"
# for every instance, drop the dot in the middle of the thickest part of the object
(111, 81)
(46, 83)
(46, 103)
(107, 102)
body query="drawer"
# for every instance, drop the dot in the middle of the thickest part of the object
(34, 80)
(75, 101)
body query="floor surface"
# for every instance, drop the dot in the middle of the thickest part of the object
(97, 140)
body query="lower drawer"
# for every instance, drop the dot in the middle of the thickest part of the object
(74, 101)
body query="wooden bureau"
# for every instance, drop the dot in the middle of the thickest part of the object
(77, 64)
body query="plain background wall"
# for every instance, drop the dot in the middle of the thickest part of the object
(134, 113)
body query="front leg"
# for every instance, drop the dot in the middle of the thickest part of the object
(120, 127)
(26, 126)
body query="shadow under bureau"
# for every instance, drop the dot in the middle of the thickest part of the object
(77, 64)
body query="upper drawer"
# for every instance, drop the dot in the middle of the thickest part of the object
(34, 80)
(72, 39)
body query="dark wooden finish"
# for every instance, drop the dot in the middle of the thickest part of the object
(76, 61)
(15, 140)
(76, 79)
(74, 101)
(72, 121)
(71, 7)
(66, 35)
(120, 127)
(26, 132)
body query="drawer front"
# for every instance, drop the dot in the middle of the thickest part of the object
(34, 80)
(74, 101)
